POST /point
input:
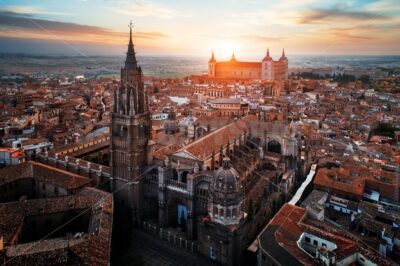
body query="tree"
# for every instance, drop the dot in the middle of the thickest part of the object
(383, 129)
(365, 79)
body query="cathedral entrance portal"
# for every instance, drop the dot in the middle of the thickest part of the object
(177, 214)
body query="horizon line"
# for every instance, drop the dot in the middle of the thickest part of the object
(180, 55)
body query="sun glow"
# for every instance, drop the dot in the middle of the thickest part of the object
(224, 50)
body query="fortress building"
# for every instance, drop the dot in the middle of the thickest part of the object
(267, 69)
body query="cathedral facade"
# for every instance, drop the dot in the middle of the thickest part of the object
(267, 69)
(218, 190)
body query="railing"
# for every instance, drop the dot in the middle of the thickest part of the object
(77, 166)
(176, 184)
(168, 236)
(71, 148)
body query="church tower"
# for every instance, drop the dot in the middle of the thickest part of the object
(285, 65)
(267, 67)
(130, 133)
(212, 64)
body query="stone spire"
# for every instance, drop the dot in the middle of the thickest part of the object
(283, 57)
(130, 62)
(131, 95)
(267, 56)
(233, 57)
(212, 60)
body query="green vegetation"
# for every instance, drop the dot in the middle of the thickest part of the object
(365, 79)
(395, 90)
(383, 129)
(309, 75)
(343, 78)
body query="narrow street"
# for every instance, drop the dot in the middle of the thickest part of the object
(148, 250)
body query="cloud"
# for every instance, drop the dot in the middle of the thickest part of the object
(349, 34)
(319, 16)
(31, 10)
(261, 38)
(28, 22)
(142, 9)
(27, 25)
(150, 35)
(384, 5)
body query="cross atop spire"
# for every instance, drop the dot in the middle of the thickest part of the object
(130, 32)
(130, 62)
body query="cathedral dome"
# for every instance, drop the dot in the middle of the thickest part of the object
(226, 197)
(226, 178)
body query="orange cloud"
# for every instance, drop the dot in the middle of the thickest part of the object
(24, 26)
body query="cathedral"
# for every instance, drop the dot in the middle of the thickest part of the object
(218, 190)
(267, 69)
(130, 133)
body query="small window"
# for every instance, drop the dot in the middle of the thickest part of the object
(315, 242)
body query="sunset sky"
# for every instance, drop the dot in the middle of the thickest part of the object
(189, 27)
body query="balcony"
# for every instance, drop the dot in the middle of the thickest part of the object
(176, 184)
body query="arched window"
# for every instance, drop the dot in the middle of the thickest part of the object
(174, 174)
(184, 177)
(274, 146)
(123, 131)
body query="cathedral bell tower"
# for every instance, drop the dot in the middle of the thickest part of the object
(130, 133)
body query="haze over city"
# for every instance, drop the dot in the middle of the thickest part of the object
(203, 133)
(195, 28)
